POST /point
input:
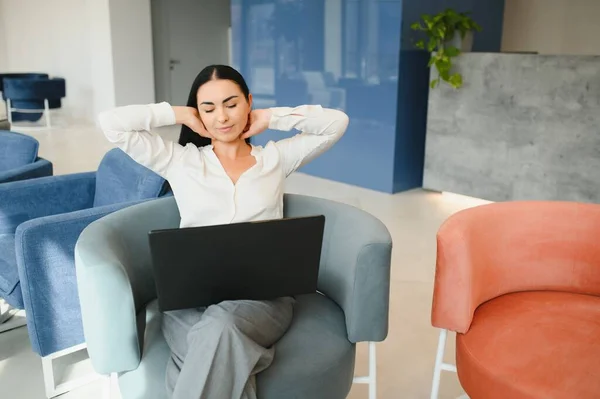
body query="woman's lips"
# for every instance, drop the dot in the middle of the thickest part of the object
(225, 129)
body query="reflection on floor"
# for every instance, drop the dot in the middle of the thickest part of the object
(405, 358)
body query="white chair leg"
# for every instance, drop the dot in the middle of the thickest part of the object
(440, 365)
(107, 388)
(439, 359)
(110, 382)
(372, 371)
(47, 112)
(371, 379)
(9, 111)
(52, 389)
(48, 372)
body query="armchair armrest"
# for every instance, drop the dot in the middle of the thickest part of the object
(115, 281)
(29, 199)
(355, 264)
(40, 168)
(497, 249)
(45, 259)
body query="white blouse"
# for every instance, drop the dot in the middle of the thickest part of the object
(202, 189)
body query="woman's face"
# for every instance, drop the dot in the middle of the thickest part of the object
(223, 109)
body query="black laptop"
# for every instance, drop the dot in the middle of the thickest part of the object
(201, 266)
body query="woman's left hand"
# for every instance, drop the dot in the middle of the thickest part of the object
(258, 122)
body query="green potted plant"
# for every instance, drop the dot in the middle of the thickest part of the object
(445, 32)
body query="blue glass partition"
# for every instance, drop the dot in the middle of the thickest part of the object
(350, 55)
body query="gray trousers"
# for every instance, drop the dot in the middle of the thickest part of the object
(217, 351)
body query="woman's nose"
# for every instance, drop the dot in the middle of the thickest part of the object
(222, 116)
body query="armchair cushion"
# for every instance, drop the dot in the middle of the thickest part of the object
(314, 359)
(121, 179)
(16, 150)
(9, 276)
(537, 344)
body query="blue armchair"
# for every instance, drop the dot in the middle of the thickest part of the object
(29, 99)
(40, 221)
(19, 158)
(21, 75)
(314, 359)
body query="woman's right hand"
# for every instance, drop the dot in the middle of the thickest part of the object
(190, 117)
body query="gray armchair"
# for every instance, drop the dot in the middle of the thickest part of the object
(314, 359)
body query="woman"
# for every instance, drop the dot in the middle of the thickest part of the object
(217, 177)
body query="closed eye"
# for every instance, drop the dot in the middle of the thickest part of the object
(232, 106)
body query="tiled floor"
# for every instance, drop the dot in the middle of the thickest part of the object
(405, 359)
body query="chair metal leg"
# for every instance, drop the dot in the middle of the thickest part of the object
(372, 371)
(371, 379)
(110, 382)
(437, 370)
(107, 388)
(440, 365)
(9, 111)
(47, 112)
(52, 389)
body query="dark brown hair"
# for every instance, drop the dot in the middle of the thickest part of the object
(211, 72)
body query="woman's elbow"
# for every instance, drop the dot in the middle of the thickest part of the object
(341, 121)
(105, 120)
(108, 123)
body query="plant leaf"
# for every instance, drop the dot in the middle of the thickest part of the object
(452, 51)
(431, 45)
(430, 63)
(416, 26)
(443, 66)
(456, 80)
(428, 21)
(420, 44)
(441, 32)
(434, 83)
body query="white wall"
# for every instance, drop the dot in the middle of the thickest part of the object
(3, 60)
(101, 59)
(103, 48)
(552, 26)
(131, 34)
(51, 37)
